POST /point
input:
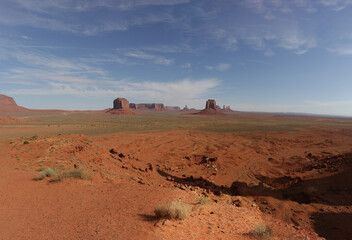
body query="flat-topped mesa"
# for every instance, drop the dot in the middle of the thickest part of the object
(210, 104)
(147, 106)
(121, 103)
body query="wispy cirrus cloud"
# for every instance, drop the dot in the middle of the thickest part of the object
(193, 91)
(272, 8)
(52, 75)
(221, 67)
(88, 5)
(156, 59)
(342, 50)
(57, 15)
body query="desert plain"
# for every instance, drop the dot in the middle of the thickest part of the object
(286, 176)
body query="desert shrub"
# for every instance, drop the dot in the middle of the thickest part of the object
(173, 210)
(261, 230)
(73, 173)
(35, 137)
(26, 142)
(46, 172)
(203, 200)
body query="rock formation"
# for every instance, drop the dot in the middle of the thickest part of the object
(7, 104)
(172, 108)
(226, 109)
(121, 107)
(147, 106)
(210, 104)
(210, 108)
(121, 103)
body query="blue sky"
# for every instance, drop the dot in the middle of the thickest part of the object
(254, 55)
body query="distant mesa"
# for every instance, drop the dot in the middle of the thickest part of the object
(172, 108)
(147, 106)
(226, 109)
(121, 107)
(211, 108)
(8, 105)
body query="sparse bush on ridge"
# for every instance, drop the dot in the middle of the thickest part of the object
(35, 137)
(26, 142)
(173, 210)
(46, 172)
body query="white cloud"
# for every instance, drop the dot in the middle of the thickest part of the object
(156, 59)
(192, 91)
(57, 15)
(186, 65)
(88, 5)
(342, 50)
(341, 108)
(221, 67)
(26, 37)
(337, 5)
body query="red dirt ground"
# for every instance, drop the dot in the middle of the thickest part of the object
(297, 183)
(8, 119)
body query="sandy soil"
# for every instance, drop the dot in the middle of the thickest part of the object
(297, 183)
(8, 119)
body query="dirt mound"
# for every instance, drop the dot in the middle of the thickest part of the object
(210, 112)
(210, 109)
(121, 112)
(8, 104)
(8, 119)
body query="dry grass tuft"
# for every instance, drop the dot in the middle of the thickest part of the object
(74, 173)
(46, 172)
(173, 210)
(203, 200)
(262, 230)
